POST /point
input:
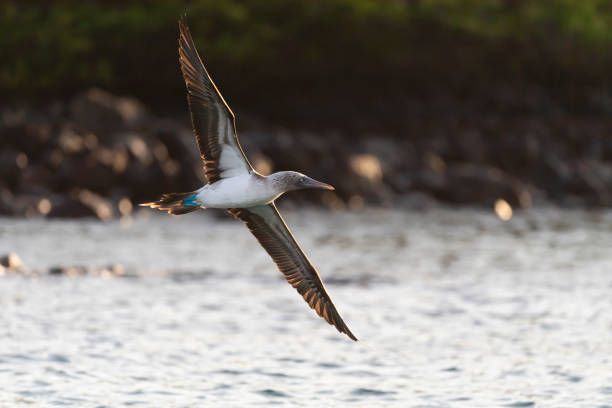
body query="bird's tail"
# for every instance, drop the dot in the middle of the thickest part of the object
(175, 203)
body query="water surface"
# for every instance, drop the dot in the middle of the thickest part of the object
(457, 308)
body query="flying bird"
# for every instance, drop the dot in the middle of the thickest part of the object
(233, 184)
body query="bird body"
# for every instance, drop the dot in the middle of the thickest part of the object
(233, 184)
(248, 190)
(245, 190)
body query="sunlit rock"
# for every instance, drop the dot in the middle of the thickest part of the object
(503, 210)
(11, 261)
(366, 166)
(125, 206)
(44, 206)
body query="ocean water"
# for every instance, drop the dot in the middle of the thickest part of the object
(455, 309)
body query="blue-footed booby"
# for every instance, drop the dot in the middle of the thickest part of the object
(233, 184)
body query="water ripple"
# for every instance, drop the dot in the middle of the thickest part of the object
(371, 392)
(272, 393)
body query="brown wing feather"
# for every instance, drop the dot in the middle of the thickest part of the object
(214, 124)
(273, 234)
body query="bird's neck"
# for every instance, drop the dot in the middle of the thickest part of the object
(278, 182)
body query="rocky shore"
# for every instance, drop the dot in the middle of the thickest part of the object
(99, 154)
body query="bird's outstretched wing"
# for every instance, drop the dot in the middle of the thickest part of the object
(273, 234)
(214, 124)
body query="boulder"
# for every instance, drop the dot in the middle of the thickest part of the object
(104, 113)
(12, 162)
(11, 263)
(478, 184)
(70, 207)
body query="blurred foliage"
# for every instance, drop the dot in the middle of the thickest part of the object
(259, 49)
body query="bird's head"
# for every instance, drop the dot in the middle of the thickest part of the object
(292, 180)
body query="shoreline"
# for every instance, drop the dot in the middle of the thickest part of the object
(99, 154)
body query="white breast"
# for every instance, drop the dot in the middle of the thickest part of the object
(242, 191)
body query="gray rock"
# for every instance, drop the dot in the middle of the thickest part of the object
(104, 113)
(474, 184)
(12, 163)
(11, 263)
(71, 207)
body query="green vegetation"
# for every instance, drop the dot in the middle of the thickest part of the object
(130, 46)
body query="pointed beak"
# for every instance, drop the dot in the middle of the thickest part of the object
(311, 183)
